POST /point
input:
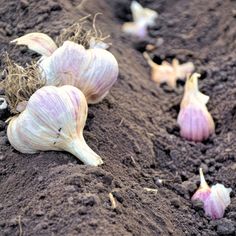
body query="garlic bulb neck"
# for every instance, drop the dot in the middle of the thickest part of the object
(79, 148)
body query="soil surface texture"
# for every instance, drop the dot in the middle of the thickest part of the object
(133, 129)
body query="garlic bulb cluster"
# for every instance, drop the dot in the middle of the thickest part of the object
(143, 17)
(196, 123)
(93, 71)
(169, 73)
(215, 199)
(54, 119)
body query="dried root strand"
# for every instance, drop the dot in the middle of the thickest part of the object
(20, 83)
(113, 201)
(82, 33)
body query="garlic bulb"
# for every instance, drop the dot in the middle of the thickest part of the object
(93, 71)
(196, 123)
(143, 17)
(215, 199)
(54, 119)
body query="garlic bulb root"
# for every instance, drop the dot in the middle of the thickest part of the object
(82, 33)
(54, 119)
(20, 83)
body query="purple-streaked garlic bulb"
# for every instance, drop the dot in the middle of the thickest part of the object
(215, 199)
(196, 123)
(93, 71)
(54, 119)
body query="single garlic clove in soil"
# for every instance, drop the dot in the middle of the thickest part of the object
(196, 123)
(93, 71)
(163, 73)
(38, 42)
(215, 199)
(54, 119)
(140, 13)
(143, 17)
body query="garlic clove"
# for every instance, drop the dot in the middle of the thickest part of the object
(38, 42)
(140, 13)
(163, 73)
(93, 71)
(53, 119)
(196, 123)
(215, 199)
(143, 17)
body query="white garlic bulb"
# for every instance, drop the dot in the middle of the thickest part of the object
(54, 119)
(93, 71)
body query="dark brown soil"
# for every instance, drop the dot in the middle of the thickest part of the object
(133, 129)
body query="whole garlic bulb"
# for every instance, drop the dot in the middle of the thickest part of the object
(196, 123)
(93, 71)
(54, 119)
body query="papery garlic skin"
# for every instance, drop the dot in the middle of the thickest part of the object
(93, 71)
(196, 123)
(94, 43)
(215, 199)
(54, 119)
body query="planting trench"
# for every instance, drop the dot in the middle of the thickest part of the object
(133, 129)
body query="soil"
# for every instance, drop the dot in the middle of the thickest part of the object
(133, 129)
